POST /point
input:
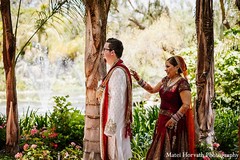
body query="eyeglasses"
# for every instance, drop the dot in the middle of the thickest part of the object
(107, 49)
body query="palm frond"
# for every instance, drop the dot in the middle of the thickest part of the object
(57, 9)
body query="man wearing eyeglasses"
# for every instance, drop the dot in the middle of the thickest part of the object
(115, 93)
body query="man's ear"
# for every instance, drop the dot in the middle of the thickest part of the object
(113, 52)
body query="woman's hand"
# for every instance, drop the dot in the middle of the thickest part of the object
(135, 74)
(170, 124)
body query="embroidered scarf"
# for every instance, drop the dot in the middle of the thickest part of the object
(128, 111)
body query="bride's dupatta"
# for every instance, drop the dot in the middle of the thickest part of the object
(189, 113)
(191, 132)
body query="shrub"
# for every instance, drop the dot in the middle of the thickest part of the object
(30, 119)
(73, 151)
(226, 129)
(68, 122)
(144, 120)
(206, 152)
(50, 135)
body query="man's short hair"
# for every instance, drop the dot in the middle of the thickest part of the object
(116, 45)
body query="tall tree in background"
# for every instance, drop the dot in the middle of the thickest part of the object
(9, 60)
(96, 21)
(205, 69)
(9, 47)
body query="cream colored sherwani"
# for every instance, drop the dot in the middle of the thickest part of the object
(119, 147)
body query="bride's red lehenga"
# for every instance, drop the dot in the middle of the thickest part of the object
(170, 143)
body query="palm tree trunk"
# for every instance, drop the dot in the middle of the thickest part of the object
(205, 69)
(9, 46)
(95, 69)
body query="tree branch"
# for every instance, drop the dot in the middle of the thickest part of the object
(238, 4)
(224, 20)
(137, 23)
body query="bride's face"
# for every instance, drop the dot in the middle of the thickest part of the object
(170, 70)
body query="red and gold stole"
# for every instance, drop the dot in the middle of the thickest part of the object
(128, 111)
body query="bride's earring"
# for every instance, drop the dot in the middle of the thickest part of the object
(177, 71)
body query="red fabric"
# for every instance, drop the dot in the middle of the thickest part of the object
(191, 132)
(105, 110)
(104, 121)
(170, 140)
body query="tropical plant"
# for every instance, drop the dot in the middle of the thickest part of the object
(144, 119)
(44, 136)
(32, 118)
(226, 126)
(96, 27)
(67, 121)
(227, 71)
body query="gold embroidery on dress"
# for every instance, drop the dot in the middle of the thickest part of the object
(110, 128)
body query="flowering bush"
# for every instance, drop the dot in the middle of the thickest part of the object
(39, 144)
(34, 152)
(43, 144)
(50, 135)
(73, 151)
(67, 121)
(210, 153)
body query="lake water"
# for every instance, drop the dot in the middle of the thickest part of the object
(28, 99)
(77, 98)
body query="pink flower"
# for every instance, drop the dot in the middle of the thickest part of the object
(25, 147)
(33, 146)
(1, 127)
(73, 144)
(222, 153)
(43, 133)
(53, 135)
(18, 155)
(78, 147)
(66, 155)
(216, 145)
(54, 145)
(206, 158)
(34, 131)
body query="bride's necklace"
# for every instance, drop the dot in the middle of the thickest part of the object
(173, 81)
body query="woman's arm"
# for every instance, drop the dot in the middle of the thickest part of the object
(186, 100)
(145, 85)
(151, 89)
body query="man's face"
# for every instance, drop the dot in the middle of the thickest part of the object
(107, 52)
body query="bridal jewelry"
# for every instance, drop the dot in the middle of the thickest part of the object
(173, 81)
